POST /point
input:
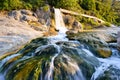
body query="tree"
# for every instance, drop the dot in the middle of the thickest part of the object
(5, 5)
(35, 3)
(10, 4)
(15, 4)
(68, 4)
(104, 9)
(53, 2)
(87, 4)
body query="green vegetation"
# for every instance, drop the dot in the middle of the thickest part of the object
(46, 8)
(87, 4)
(102, 9)
(88, 23)
(21, 4)
(10, 4)
(108, 10)
(68, 4)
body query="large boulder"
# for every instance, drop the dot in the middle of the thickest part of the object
(71, 23)
(68, 20)
(14, 34)
(97, 41)
(41, 60)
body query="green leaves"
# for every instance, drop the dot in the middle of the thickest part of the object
(68, 4)
(107, 10)
(88, 4)
(20, 4)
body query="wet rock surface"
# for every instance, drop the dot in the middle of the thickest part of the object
(97, 40)
(111, 73)
(70, 62)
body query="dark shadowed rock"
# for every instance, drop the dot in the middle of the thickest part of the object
(118, 40)
(27, 12)
(23, 15)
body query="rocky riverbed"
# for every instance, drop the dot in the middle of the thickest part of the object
(19, 27)
(98, 41)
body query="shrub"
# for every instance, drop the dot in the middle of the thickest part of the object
(46, 8)
(107, 24)
(88, 4)
(68, 4)
(27, 6)
(15, 4)
(11, 4)
(36, 3)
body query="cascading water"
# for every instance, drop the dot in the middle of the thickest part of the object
(50, 72)
(59, 26)
(59, 21)
(57, 58)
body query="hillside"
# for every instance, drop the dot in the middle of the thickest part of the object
(107, 10)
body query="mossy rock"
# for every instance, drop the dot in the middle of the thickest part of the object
(85, 62)
(29, 69)
(33, 62)
(30, 48)
(104, 52)
(97, 43)
(46, 50)
(67, 44)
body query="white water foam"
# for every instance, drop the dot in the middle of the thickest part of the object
(60, 26)
(7, 58)
(59, 21)
(49, 75)
(76, 73)
(2, 77)
(2, 62)
(106, 63)
(88, 52)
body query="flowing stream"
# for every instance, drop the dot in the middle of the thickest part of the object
(57, 58)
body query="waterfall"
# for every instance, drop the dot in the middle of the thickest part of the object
(2, 77)
(2, 62)
(50, 71)
(59, 21)
(60, 26)
(76, 73)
